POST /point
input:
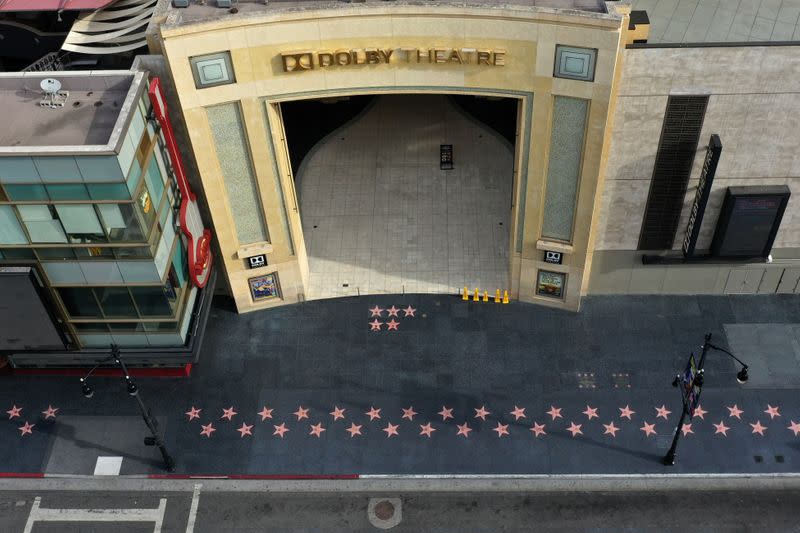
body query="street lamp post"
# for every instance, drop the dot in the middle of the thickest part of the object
(147, 416)
(696, 380)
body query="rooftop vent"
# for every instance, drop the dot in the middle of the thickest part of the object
(223, 3)
(180, 3)
(52, 95)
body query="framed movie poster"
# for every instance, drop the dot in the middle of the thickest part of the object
(264, 287)
(550, 284)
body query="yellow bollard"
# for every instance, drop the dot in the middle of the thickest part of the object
(485, 296)
(476, 298)
(505, 297)
(497, 296)
(465, 296)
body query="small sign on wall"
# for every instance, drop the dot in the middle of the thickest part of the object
(257, 261)
(554, 258)
(446, 157)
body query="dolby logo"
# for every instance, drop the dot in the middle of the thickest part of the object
(297, 61)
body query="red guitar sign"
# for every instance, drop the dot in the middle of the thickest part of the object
(199, 237)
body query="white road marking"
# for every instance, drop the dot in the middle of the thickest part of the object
(193, 508)
(107, 466)
(39, 514)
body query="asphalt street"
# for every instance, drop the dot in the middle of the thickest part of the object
(587, 511)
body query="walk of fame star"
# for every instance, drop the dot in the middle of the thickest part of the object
(50, 412)
(265, 413)
(700, 412)
(611, 429)
(409, 311)
(686, 429)
(208, 429)
(316, 429)
(463, 429)
(554, 412)
(721, 428)
(193, 413)
(626, 412)
(280, 430)
(393, 325)
(26, 429)
(376, 311)
(501, 429)
(391, 429)
(663, 412)
(393, 311)
(409, 413)
(337, 413)
(245, 429)
(445, 413)
(518, 412)
(794, 428)
(228, 413)
(649, 429)
(735, 411)
(574, 428)
(538, 429)
(772, 411)
(591, 412)
(301, 413)
(14, 412)
(373, 413)
(758, 428)
(482, 412)
(426, 429)
(354, 429)
(375, 325)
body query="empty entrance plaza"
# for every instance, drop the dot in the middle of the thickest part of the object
(379, 216)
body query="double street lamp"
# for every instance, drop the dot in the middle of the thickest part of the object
(152, 424)
(692, 381)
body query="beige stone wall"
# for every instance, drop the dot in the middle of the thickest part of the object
(753, 105)
(528, 37)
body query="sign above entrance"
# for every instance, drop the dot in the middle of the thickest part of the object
(310, 60)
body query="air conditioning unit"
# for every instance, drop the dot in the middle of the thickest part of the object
(180, 3)
(223, 3)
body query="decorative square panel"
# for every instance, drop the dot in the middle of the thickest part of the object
(575, 63)
(212, 70)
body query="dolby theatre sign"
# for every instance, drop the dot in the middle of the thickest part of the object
(306, 60)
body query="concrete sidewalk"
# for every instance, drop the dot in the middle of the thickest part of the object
(503, 370)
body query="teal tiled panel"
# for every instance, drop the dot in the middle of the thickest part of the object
(55, 169)
(65, 273)
(138, 272)
(101, 272)
(18, 170)
(100, 168)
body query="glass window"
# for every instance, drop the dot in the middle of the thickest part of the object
(155, 182)
(180, 264)
(72, 191)
(212, 69)
(575, 63)
(139, 252)
(55, 253)
(42, 223)
(151, 301)
(81, 223)
(120, 222)
(79, 302)
(94, 252)
(550, 284)
(17, 253)
(564, 166)
(146, 208)
(10, 230)
(133, 178)
(90, 327)
(127, 327)
(115, 302)
(109, 191)
(26, 193)
(160, 327)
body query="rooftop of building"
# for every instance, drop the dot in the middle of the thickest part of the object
(205, 10)
(718, 21)
(93, 106)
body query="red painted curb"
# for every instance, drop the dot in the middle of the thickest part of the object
(21, 475)
(177, 372)
(256, 476)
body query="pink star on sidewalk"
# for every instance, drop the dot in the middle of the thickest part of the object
(26, 429)
(758, 428)
(772, 411)
(794, 428)
(554, 412)
(538, 429)
(316, 429)
(301, 413)
(409, 413)
(501, 429)
(721, 428)
(426, 429)
(354, 429)
(50, 412)
(735, 411)
(445, 413)
(373, 413)
(481, 413)
(245, 429)
(375, 325)
(391, 429)
(208, 429)
(649, 429)
(700, 412)
(14, 412)
(663, 412)
(193, 413)
(463, 430)
(280, 430)
(518, 412)
(337, 413)
(574, 428)
(409, 311)
(376, 311)
(686, 429)
(393, 325)
(626, 412)
(265, 413)
(393, 311)
(611, 429)
(591, 412)
(228, 413)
